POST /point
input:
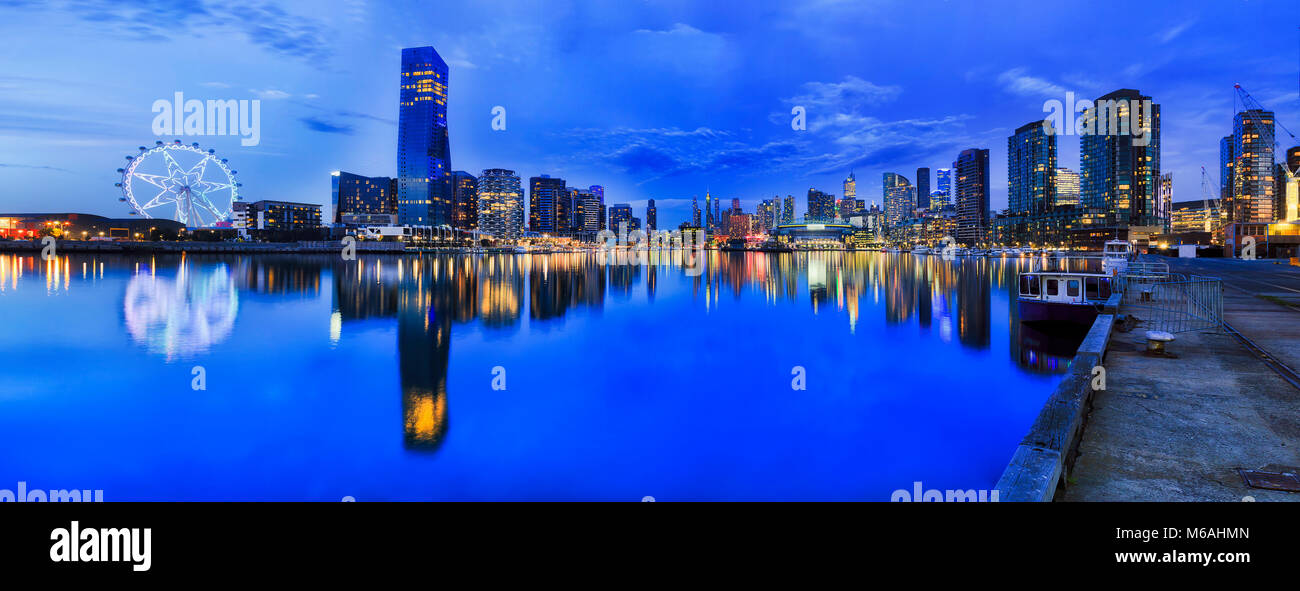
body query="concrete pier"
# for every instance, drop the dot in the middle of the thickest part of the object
(1177, 429)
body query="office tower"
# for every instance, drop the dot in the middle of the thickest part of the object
(1031, 166)
(944, 182)
(356, 199)
(589, 211)
(717, 212)
(787, 210)
(546, 196)
(923, 188)
(598, 192)
(1251, 199)
(1067, 187)
(500, 203)
(938, 200)
(735, 206)
(767, 210)
(821, 206)
(710, 219)
(851, 187)
(620, 216)
(464, 190)
(424, 191)
(695, 212)
(1119, 158)
(651, 216)
(972, 195)
(899, 198)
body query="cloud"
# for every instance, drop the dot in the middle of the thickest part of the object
(1017, 81)
(848, 95)
(1173, 32)
(33, 167)
(263, 24)
(270, 94)
(216, 85)
(316, 124)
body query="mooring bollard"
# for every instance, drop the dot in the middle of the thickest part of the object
(1156, 341)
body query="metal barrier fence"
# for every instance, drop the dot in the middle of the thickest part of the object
(1171, 302)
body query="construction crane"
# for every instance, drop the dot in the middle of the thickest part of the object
(1213, 215)
(1248, 102)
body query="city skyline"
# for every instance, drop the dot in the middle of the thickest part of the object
(330, 106)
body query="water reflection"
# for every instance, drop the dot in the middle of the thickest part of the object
(183, 306)
(184, 315)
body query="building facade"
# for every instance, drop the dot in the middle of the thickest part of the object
(899, 198)
(465, 197)
(1031, 169)
(546, 197)
(1251, 199)
(971, 189)
(424, 191)
(500, 204)
(1119, 156)
(357, 199)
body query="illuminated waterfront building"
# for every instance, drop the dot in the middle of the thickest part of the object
(465, 198)
(356, 199)
(500, 203)
(787, 210)
(546, 198)
(899, 197)
(424, 191)
(972, 195)
(1251, 197)
(1031, 166)
(1119, 158)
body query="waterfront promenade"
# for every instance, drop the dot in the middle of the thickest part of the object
(1177, 429)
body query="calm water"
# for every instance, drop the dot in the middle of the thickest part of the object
(374, 378)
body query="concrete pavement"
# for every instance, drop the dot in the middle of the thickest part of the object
(1176, 429)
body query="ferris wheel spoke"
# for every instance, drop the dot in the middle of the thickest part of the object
(159, 199)
(173, 167)
(153, 179)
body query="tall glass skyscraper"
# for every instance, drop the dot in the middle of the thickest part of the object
(1031, 166)
(1120, 174)
(972, 168)
(424, 191)
(899, 198)
(1252, 199)
(651, 215)
(500, 203)
(923, 188)
(787, 210)
(943, 182)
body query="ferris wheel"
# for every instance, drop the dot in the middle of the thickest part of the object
(179, 182)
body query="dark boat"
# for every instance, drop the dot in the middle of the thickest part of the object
(1062, 296)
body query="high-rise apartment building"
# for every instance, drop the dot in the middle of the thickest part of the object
(1031, 166)
(500, 203)
(972, 195)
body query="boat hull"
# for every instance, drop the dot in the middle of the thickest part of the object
(1038, 311)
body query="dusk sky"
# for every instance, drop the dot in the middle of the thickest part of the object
(650, 99)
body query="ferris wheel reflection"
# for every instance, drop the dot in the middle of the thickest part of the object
(181, 316)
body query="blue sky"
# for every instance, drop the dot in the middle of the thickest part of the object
(649, 99)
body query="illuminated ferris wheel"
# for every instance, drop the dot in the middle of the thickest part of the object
(179, 182)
